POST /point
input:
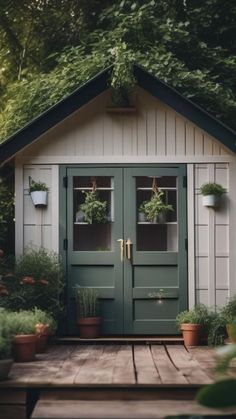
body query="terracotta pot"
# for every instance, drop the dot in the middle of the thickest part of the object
(42, 334)
(5, 366)
(230, 332)
(191, 334)
(89, 327)
(24, 348)
(41, 343)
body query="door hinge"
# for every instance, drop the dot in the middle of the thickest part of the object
(65, 244)
(186, 245)
(185, 181)
(65, 181)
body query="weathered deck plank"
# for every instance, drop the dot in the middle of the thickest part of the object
(144, 366)
(168, 372)
(123, 371)
(188, 366)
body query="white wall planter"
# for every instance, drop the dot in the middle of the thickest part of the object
(210, 201)
(39, 198)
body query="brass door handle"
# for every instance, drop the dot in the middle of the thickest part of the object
(122, 249)
(129, 249)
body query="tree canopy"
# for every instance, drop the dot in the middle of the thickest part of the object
(50, 47)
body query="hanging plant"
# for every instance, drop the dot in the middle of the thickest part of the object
(94, 210)
(155, 206)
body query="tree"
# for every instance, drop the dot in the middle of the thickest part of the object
(190, 44)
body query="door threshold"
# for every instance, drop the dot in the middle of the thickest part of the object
(123, 339)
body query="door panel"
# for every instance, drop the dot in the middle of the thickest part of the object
(156, 272)
(93, 250)
(157, 262)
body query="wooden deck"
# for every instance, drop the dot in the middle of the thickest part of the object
(116, 365)
(96, 372)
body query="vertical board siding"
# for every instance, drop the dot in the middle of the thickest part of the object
(40, 227)
(212, 238)
(154, 130)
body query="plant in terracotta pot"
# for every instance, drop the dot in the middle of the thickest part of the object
(155, 209)
(191, 323)
(88, 311)
(211, 193)
(38, 192)
(45, 326)
(21, 326)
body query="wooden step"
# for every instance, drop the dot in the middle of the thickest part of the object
(125, 409)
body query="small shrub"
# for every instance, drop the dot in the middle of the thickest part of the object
(198, 315)
(35, 280)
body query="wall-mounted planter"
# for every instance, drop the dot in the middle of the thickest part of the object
(39, 198)
(211, 194)
(210, 201)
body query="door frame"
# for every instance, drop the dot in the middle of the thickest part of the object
(63, 219)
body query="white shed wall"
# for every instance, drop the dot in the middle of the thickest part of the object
(155, 134)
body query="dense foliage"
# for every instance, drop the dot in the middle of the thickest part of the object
(50, 47)
(35, 279)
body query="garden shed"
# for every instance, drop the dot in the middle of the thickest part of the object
(165, 144)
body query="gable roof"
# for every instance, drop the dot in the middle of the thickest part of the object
(97, 85)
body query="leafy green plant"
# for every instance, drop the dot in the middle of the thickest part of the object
(217, 330)
(221, 393)
(37, 186)
(36, 279)
(228, 312)
(20, 323)
(87, 302)
(5, 348)
(154, 206)
(95, 210)
(212, 189)
(44, 318)
(5, 341)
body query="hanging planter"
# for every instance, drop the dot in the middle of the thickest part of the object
(93, 210)
(39, 193)
(211, 194)
(155, 209)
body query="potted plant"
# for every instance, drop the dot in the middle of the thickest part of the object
(94, 210)
(155, 209)
(38, 192)
(45, 326)
(211, 194)
(21, 327)
(88, 312)
(192, 323)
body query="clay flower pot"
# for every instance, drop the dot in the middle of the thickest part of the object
(191, 334)
(89, 327)
(5, 366)
(42, 337)
(24, 347)
(230, 332)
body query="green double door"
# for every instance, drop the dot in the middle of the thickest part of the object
(138, 266)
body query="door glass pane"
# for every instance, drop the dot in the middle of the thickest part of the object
(157, 227)
(93, 213)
